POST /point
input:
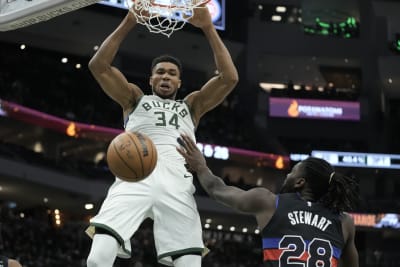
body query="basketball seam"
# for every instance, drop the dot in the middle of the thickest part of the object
(152, 156)
(138, 149)
(122, 159)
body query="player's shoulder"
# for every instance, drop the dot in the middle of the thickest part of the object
(263, 195)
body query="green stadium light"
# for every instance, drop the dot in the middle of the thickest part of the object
(324, 25)
(325, 32)
(344, 29)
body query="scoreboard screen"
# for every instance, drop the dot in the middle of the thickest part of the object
(359, 160)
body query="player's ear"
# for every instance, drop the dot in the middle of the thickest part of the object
(151, 81)
(300, 182)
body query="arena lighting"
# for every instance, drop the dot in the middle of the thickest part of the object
(279, 163)
(64, 60)
(298, 157)
(268, 86)
(232, 228)
(219, 227)
(22, 215)
(390, 80)
(208, 220)
(38, 147)
(45, 200)
(89, 206)
(280, 9)
(22, 47)
(244, 230)
(206, 226)
(71, 129)
(256, 231)
(344, 29)
(276, 18)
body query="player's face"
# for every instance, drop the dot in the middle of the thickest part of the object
(290, 181)
(165, 80)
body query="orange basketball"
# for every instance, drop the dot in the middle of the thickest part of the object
(131, 156)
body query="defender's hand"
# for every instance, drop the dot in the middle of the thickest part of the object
(191, 153)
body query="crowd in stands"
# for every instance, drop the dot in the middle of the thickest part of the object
(63, 90)
(36, 241)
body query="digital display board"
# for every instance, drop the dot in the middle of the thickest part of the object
(381, 220)
(313, 109)
(359, 160)
(216, 8)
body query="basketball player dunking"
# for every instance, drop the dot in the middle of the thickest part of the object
(305, 224)
(166, 195)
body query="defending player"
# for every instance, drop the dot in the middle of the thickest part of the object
(166, 195)
(303, 225)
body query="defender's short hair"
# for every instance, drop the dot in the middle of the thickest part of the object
(167, 58)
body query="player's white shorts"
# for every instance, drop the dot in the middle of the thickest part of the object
(166, 196)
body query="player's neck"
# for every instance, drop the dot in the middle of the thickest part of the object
(307, 195)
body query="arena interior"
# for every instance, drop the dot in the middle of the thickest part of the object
(317, 78)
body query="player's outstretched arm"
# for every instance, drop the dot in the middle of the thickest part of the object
(217, 88)
(111, 80)
(349, 255)
(257, 201)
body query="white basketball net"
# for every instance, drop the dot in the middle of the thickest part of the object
(163, 16)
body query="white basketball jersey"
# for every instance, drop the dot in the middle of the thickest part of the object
(163, 120)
